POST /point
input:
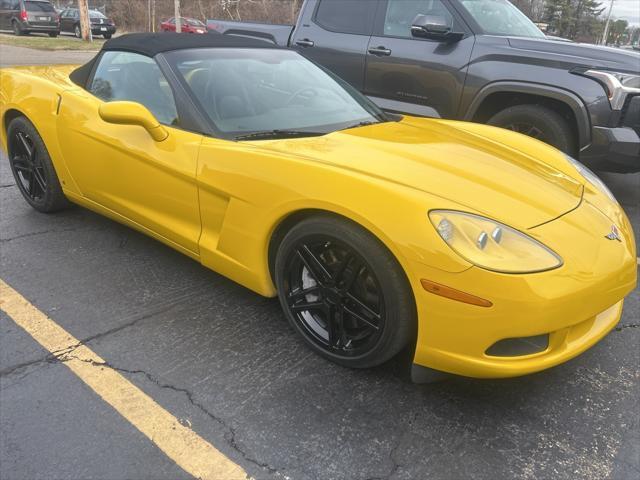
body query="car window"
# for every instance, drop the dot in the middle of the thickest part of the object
(401, 14)
(171, 21)
(39, 7)
(136, 78)
(501, 17)
(15, 5)
(346, 16)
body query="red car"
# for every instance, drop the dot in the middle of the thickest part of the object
(189, 25)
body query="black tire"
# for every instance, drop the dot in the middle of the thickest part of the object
(17, 29)
(107, 36)
(362, 287)
(77, 31)
(32, 168)
(538, 122)
(54, 34)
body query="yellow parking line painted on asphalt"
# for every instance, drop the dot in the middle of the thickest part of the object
(190, 451)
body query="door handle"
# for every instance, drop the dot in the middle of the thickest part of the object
(305, 42)
(380, 51)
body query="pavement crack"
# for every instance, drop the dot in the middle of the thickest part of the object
(229, 436)
(58, 356)
(629, 325)
(7, 185)
(395, 465)
(44, 232)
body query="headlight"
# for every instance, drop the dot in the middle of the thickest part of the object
(618, 85)
(591, 177)
(492, 245)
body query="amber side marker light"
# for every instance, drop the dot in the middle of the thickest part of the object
(453, 294)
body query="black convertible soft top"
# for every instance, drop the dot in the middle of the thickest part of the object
(150, 44)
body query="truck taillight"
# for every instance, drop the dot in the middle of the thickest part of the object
(23, 15)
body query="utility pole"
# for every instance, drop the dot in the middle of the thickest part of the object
(153, 15)
(85, 23)
(605, 34)
(176, 7)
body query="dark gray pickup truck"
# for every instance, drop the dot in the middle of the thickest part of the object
(476, 60)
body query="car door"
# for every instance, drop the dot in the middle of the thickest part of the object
(65, 21)
(337, 36)
(121, 167)
(416, 75)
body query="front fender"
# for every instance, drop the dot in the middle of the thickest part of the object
(573, 101)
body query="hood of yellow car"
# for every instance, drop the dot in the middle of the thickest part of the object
(490, 171)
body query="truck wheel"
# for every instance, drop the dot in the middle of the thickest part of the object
(53, 34)
(107, 36)
(538, 122)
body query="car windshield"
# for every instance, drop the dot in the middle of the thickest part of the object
(195, 23)
(501, 17)
(269, 91)
(39, 7)
(96, 15)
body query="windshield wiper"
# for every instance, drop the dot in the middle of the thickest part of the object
(366, 123)
(277, 134)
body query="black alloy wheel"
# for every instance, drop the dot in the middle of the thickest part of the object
(26, 163)
(344, 292)
(32, 168)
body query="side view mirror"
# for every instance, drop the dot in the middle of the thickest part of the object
(434, 27)
(132, 113)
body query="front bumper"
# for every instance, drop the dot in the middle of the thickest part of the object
(576, 304)
(41, 28)
(613, 149)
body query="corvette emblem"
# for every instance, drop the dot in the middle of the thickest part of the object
(614, 234)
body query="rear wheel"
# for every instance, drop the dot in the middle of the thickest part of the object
(17, 29)
(53, 34)
(32, 168)
(538, 122)
(344, 292)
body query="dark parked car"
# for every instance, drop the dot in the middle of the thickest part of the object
(476, 60)
(100, 24)
(187, 25)
(26, 16)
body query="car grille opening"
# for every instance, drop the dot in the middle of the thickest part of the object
(516, 347)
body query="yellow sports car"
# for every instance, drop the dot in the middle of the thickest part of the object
(491, 253)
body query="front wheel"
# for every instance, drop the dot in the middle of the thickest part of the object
(32, 168)
(53, 34)
(77, 31)
(344, 292)
(539, 122)
(107, 36)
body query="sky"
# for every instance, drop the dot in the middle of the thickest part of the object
(628, 10)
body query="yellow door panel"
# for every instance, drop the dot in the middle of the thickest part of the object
(123, 169)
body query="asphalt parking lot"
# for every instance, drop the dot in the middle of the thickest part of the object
(226, 365)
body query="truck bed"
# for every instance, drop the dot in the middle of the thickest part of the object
(276, 34)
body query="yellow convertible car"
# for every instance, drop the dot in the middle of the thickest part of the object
(489, 253)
